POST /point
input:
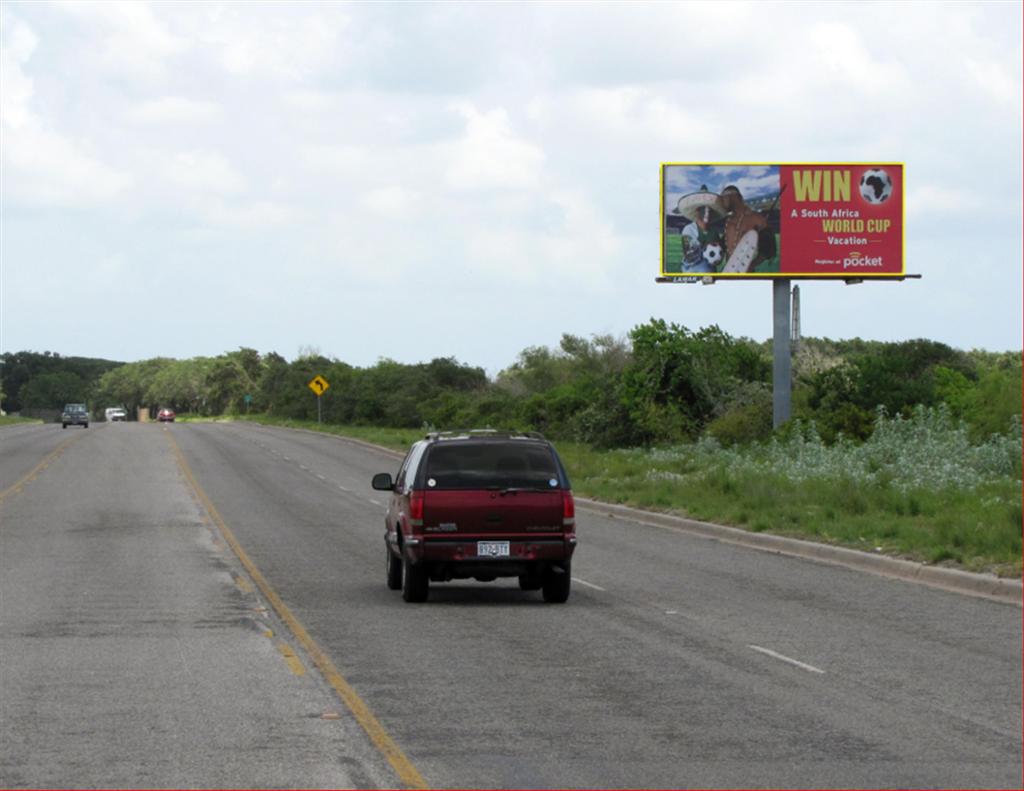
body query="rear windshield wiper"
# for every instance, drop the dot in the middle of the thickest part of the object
(516, 489)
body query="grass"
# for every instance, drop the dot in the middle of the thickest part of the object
(878, 497)
(10, 420)
(673, 252)
(977, 529)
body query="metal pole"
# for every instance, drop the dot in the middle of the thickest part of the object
(782, 372)
(794, 330)
(319, 414)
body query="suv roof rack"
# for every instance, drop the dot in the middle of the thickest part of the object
(484, 433)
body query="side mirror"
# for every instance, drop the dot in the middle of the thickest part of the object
(382, 482)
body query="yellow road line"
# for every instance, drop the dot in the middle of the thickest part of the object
(292, 659)
(403, 767)
(34, 472)
(242, 583)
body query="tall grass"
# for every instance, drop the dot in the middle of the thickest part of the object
(918, 488)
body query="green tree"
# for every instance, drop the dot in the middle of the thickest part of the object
(679, 380)
(53, 390)
(995, 399)
(19, 368)
(902, 375)
(130, 384)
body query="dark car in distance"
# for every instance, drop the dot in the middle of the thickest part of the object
(75, 415)
(165, 415)
(479, 505)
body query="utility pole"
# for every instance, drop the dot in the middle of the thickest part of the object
(782, 366)
(794, 334)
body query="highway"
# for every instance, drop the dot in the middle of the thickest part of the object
(203, 604)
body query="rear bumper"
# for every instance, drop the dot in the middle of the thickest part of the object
(527, 551)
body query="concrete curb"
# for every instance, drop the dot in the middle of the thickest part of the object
(987, 586)
(984, 585)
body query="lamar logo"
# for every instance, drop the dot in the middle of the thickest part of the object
(859, 259)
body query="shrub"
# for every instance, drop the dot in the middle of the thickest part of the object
(743, 423)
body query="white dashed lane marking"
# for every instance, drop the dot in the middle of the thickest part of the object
(786, 659)
(588, 584)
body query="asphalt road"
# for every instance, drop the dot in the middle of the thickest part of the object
(134, 652)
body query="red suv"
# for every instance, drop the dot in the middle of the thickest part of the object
(481, 505)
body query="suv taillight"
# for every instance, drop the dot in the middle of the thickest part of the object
(416, 507)
(568, 509)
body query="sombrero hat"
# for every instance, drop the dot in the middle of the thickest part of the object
(694, 204)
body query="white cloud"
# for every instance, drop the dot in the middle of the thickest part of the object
(339, 160)
(173, 110)
(994, 81)
(291, 44)
(42, 166)
(111, 271)
(937, 199)
(839, 57)
(250, 215)
(586, 245)
(578, 251)
(203, 172)
(130, 40)
(490, 156)
(823, 69)
(633, 113)
(16, 47)
(308, 101)
(392, 201)
(367, 249)
(45, 168)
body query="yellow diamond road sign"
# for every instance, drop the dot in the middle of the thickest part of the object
(318, 384)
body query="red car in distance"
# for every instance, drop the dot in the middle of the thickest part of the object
(165, 415)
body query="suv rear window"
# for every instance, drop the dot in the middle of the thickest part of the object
(486, 465)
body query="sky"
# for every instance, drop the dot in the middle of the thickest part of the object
(753, 181)
(421, 180)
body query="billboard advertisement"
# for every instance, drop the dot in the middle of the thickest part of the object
(809, 220)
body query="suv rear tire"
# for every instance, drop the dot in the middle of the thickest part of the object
(528, 582)
(556, 584)
(415, 582)
(394, 570)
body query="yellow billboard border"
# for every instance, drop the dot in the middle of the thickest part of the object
(664, 276)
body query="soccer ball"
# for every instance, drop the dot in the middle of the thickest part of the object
(713, 254)
(875, 186)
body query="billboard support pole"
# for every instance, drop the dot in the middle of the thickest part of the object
(782, 369)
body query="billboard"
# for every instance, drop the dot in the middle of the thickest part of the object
(808, 220)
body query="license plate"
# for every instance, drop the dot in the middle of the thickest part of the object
(492, 549)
